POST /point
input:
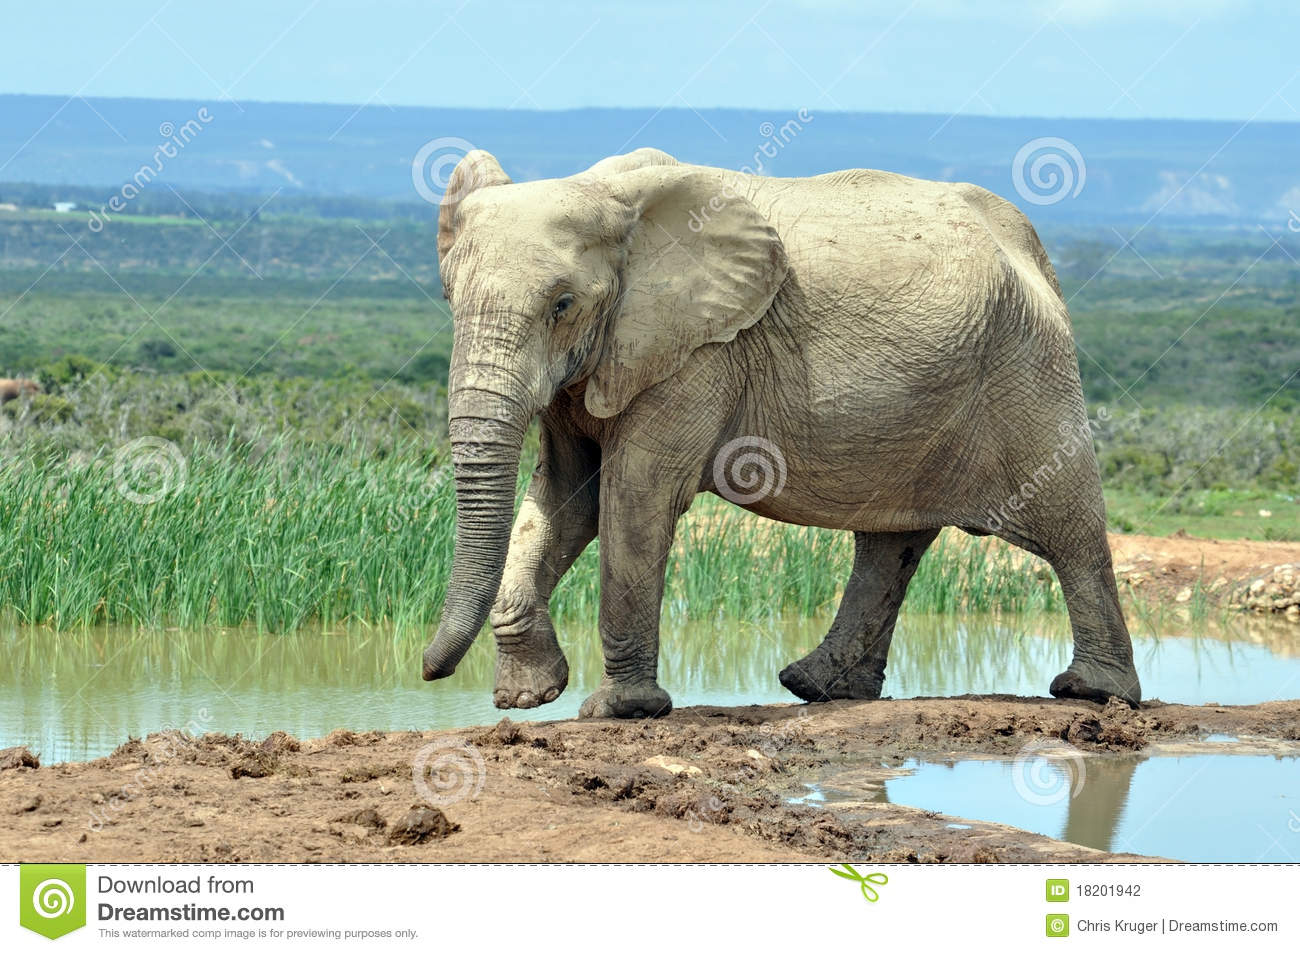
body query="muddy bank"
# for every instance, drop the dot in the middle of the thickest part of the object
(704, 784)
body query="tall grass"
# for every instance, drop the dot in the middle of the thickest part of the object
(291, 535)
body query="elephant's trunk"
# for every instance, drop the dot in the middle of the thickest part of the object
(486, 431)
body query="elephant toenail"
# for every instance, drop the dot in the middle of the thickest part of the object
(551, 695)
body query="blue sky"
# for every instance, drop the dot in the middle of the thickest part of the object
(1108, 58)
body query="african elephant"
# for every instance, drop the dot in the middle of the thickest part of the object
(903, 345)
(11, 388)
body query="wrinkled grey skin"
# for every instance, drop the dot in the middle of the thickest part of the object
(902, 344)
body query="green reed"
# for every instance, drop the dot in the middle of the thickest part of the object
(280, 535)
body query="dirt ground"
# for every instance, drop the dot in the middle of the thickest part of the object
(704, 784)
(1164, 567)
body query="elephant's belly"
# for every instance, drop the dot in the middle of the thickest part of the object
(872, 493)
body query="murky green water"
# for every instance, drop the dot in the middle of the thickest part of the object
(72, 696)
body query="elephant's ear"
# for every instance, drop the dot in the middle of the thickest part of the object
(477, 170)
(702, 265)
(628, 161)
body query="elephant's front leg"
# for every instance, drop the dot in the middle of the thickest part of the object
(555, 523)
(636, 537)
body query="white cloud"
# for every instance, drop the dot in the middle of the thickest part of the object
(1204, 194)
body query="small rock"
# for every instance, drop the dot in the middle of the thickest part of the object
(1276, 591)
(673, 767)
(29, 805)
(421, 824)
(19, 757)
(365, 817)
(508, 732)
(1184, 594)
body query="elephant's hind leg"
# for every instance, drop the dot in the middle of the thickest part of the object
(556, 522)
(850, 662)
(1103, 652)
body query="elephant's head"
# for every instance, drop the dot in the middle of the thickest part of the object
(602, 283)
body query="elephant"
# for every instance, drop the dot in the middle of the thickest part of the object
(11, 388)
(900, 349)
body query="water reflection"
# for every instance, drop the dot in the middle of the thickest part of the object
(78, 695)
(1203, 807)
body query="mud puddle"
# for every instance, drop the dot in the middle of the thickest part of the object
(1216, 799)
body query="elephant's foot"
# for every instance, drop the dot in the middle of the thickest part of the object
(1098, 683)
(642, 699)
(820, 677)
(531, 668)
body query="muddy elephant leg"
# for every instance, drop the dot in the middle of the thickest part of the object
(850, 662)
(636, 538)
(555, 523)
(1103, 652)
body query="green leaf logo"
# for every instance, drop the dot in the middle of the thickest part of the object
(52, 898)
(862, 880)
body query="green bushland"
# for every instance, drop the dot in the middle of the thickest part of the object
(377, 331)
(308, 406)
(89, 407)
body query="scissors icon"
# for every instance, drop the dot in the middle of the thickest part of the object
(864, 881)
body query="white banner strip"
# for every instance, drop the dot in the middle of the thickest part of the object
(732, 907)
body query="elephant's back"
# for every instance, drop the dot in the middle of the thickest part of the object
(943, 248)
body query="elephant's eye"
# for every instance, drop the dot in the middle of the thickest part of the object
(562, 304)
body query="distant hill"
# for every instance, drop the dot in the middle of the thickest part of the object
(1188, 172)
